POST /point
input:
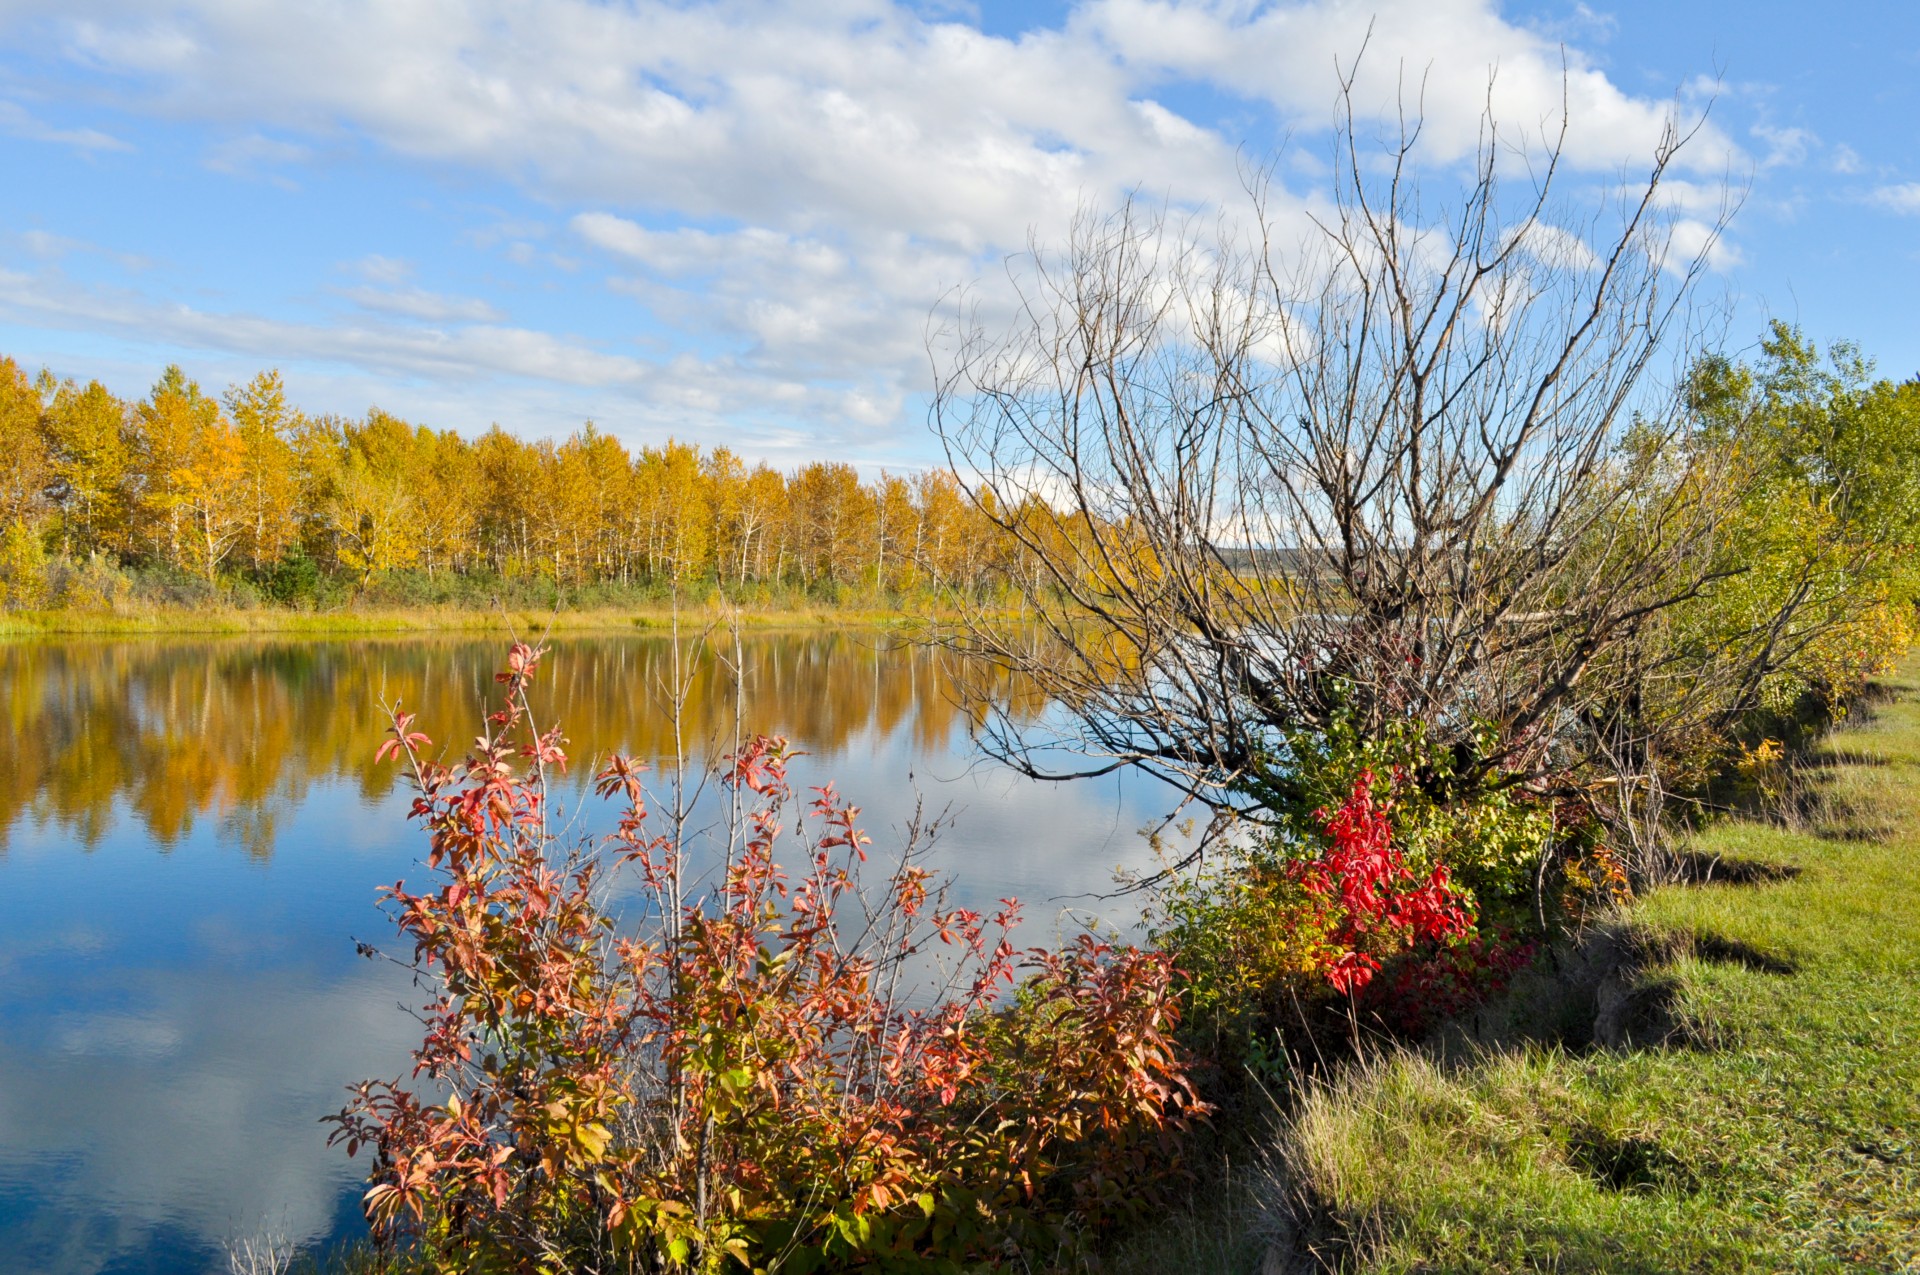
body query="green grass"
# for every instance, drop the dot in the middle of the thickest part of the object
(1777, 1130)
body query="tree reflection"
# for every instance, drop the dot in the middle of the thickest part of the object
(176, 733)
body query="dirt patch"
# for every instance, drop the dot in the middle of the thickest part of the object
(1635, 1012)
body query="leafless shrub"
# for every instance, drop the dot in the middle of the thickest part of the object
(1419, 466)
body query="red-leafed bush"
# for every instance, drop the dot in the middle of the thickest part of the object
(1372, 905)
(1344, 923)
(791, 1065)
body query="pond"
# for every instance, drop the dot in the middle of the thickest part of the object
(192, 834)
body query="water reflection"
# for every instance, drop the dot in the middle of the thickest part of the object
(191, 833)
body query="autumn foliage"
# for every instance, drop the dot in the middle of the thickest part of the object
(797, 1065)
(245, 489)
(1369, 903)
(1311, 942)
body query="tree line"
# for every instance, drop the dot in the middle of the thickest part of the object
(246, 486)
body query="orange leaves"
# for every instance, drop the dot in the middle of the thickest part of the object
(402, 739)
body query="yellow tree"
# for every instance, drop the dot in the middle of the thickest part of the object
(831, 513)
(610, 473)
(894, 518)
(168, 429)
(212, 499)
(725, 477)
(680, 518)
(24, 469)
(509, 480)
(763, 498)
(592, 475)
(444, 477)
(90, 465)
(23, 480)
(541, 513)
(372, 512)
(318, 447)
(266, 426)
(954, 543)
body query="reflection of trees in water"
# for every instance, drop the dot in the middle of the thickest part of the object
(174, 732)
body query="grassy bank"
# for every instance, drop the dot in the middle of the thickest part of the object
(395, 620)
(1759, 1109)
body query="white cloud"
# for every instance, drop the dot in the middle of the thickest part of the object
(1712, 201)
(1786, 147)
(788, 188)
(1903, 198)
(467, 374)
(847, 115)
(1701, 241)
(1556, 248)
(241, 156)
(17, 121)
(399, 350)
(49, 246)
(1451, 61)
(418, 303)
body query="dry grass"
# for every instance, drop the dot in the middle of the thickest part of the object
(269, 620)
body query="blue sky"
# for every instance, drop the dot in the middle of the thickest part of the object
(729, 222)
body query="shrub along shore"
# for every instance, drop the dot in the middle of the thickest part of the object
(1723, 1076)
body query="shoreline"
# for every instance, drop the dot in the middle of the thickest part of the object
(398, 621)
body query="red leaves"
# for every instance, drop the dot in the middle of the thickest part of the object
(522, 659)
(760, 767)
(1351, 971)
(1376, 904)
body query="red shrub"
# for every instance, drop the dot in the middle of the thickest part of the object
(1373, 905)
(755, 1073)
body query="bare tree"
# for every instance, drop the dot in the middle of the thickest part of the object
(1420, 465)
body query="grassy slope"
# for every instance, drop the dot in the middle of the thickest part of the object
(1785, 1137)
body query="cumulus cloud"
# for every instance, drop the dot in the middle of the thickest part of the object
(787, 189)
(1451, 62)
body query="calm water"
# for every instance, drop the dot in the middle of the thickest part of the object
(191, 835)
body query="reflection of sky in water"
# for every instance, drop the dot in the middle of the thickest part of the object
(179, 999)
